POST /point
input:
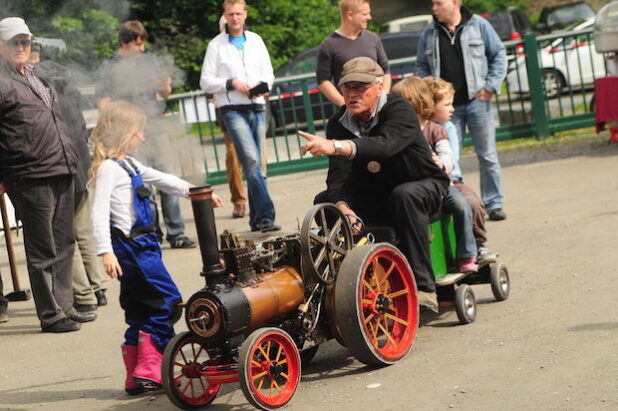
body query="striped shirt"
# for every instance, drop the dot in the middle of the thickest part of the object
(37, 85)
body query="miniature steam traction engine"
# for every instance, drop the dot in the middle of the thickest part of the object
(266, 308)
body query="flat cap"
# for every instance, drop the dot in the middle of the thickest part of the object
(361, 69)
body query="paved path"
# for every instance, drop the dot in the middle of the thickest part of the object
(552, 345)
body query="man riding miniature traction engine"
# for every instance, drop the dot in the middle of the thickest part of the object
(266, 308)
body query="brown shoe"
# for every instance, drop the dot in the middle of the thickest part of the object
(428, 300)
(239, 211)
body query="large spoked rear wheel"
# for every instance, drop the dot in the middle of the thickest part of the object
(184, 385)
(269, 367)
(376, 305)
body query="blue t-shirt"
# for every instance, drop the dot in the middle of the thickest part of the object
(238, 42)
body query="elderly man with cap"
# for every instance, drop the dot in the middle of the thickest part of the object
(380, 167)
(37, 163)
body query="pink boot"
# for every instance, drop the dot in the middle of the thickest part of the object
(129, 355)
(147, 373)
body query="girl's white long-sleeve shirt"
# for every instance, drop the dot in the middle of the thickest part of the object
(113, 198)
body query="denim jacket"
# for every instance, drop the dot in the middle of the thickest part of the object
(484, 55)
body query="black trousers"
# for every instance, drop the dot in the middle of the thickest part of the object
(409, 209)
(45, 207)
(3, 301)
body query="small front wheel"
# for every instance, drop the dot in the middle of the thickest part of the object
(269, 368)
(500, 282)
(465, 304)
(185, 386)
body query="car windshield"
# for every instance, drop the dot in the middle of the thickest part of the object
(400, 47)
(567, 41)
(566, 15)
(413, 27)
(303, 65)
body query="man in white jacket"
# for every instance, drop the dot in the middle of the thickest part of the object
(237, 70)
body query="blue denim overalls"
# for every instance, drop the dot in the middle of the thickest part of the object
(148, 294)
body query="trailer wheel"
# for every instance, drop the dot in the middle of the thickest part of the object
(376, 305)
(465, 304)
(182, 361)
(500, 282)
(269, 368)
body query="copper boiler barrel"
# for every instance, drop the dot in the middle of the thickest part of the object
(278, 293)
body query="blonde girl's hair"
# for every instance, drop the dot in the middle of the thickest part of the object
(418, 94)
(441, 89)
(117, 124)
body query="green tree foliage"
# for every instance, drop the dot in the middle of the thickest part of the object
(181, 29)
(489, 6)
(184, 28)
(90, 36)
(88, 27)
(289, 27)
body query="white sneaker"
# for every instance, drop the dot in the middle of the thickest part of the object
(484, 256)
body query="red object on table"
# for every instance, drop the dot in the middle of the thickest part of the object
(606, 104)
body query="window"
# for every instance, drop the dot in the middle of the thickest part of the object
(304, 64)
(400, 47)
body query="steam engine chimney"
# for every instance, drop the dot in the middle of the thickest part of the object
(201, 200)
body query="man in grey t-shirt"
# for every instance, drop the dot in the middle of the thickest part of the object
(350, 40)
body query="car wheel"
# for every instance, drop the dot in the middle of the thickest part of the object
(554, 82)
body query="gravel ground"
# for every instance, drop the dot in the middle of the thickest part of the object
(552, 345)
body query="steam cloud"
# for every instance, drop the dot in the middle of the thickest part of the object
(138, 84)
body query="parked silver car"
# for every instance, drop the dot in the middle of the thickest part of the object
(569, 61)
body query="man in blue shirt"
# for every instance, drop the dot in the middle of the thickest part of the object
(237, 70)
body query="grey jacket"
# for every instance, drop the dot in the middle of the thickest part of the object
(34, 141)
(484, 55)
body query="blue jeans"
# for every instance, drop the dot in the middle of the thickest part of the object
(153, 155)
(457, 204)
(174, 223)
(478, 116)
(248, 129)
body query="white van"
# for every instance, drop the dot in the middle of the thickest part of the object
(410, 24)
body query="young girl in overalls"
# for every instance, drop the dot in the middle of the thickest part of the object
(125, 236)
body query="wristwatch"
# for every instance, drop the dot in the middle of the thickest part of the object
(338, 147)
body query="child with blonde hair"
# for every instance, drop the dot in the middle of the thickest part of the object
(443, 94)
(420, 96)
(124, 231)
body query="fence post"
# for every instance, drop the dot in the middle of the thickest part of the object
(307, 106)
(535, 85)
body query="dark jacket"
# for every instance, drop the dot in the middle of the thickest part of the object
(34, 141)
(395, 152)
(71, 103)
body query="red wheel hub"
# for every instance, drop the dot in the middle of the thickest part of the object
(191, 370)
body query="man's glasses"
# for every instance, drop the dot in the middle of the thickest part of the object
(24, 43)
(358, 87)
